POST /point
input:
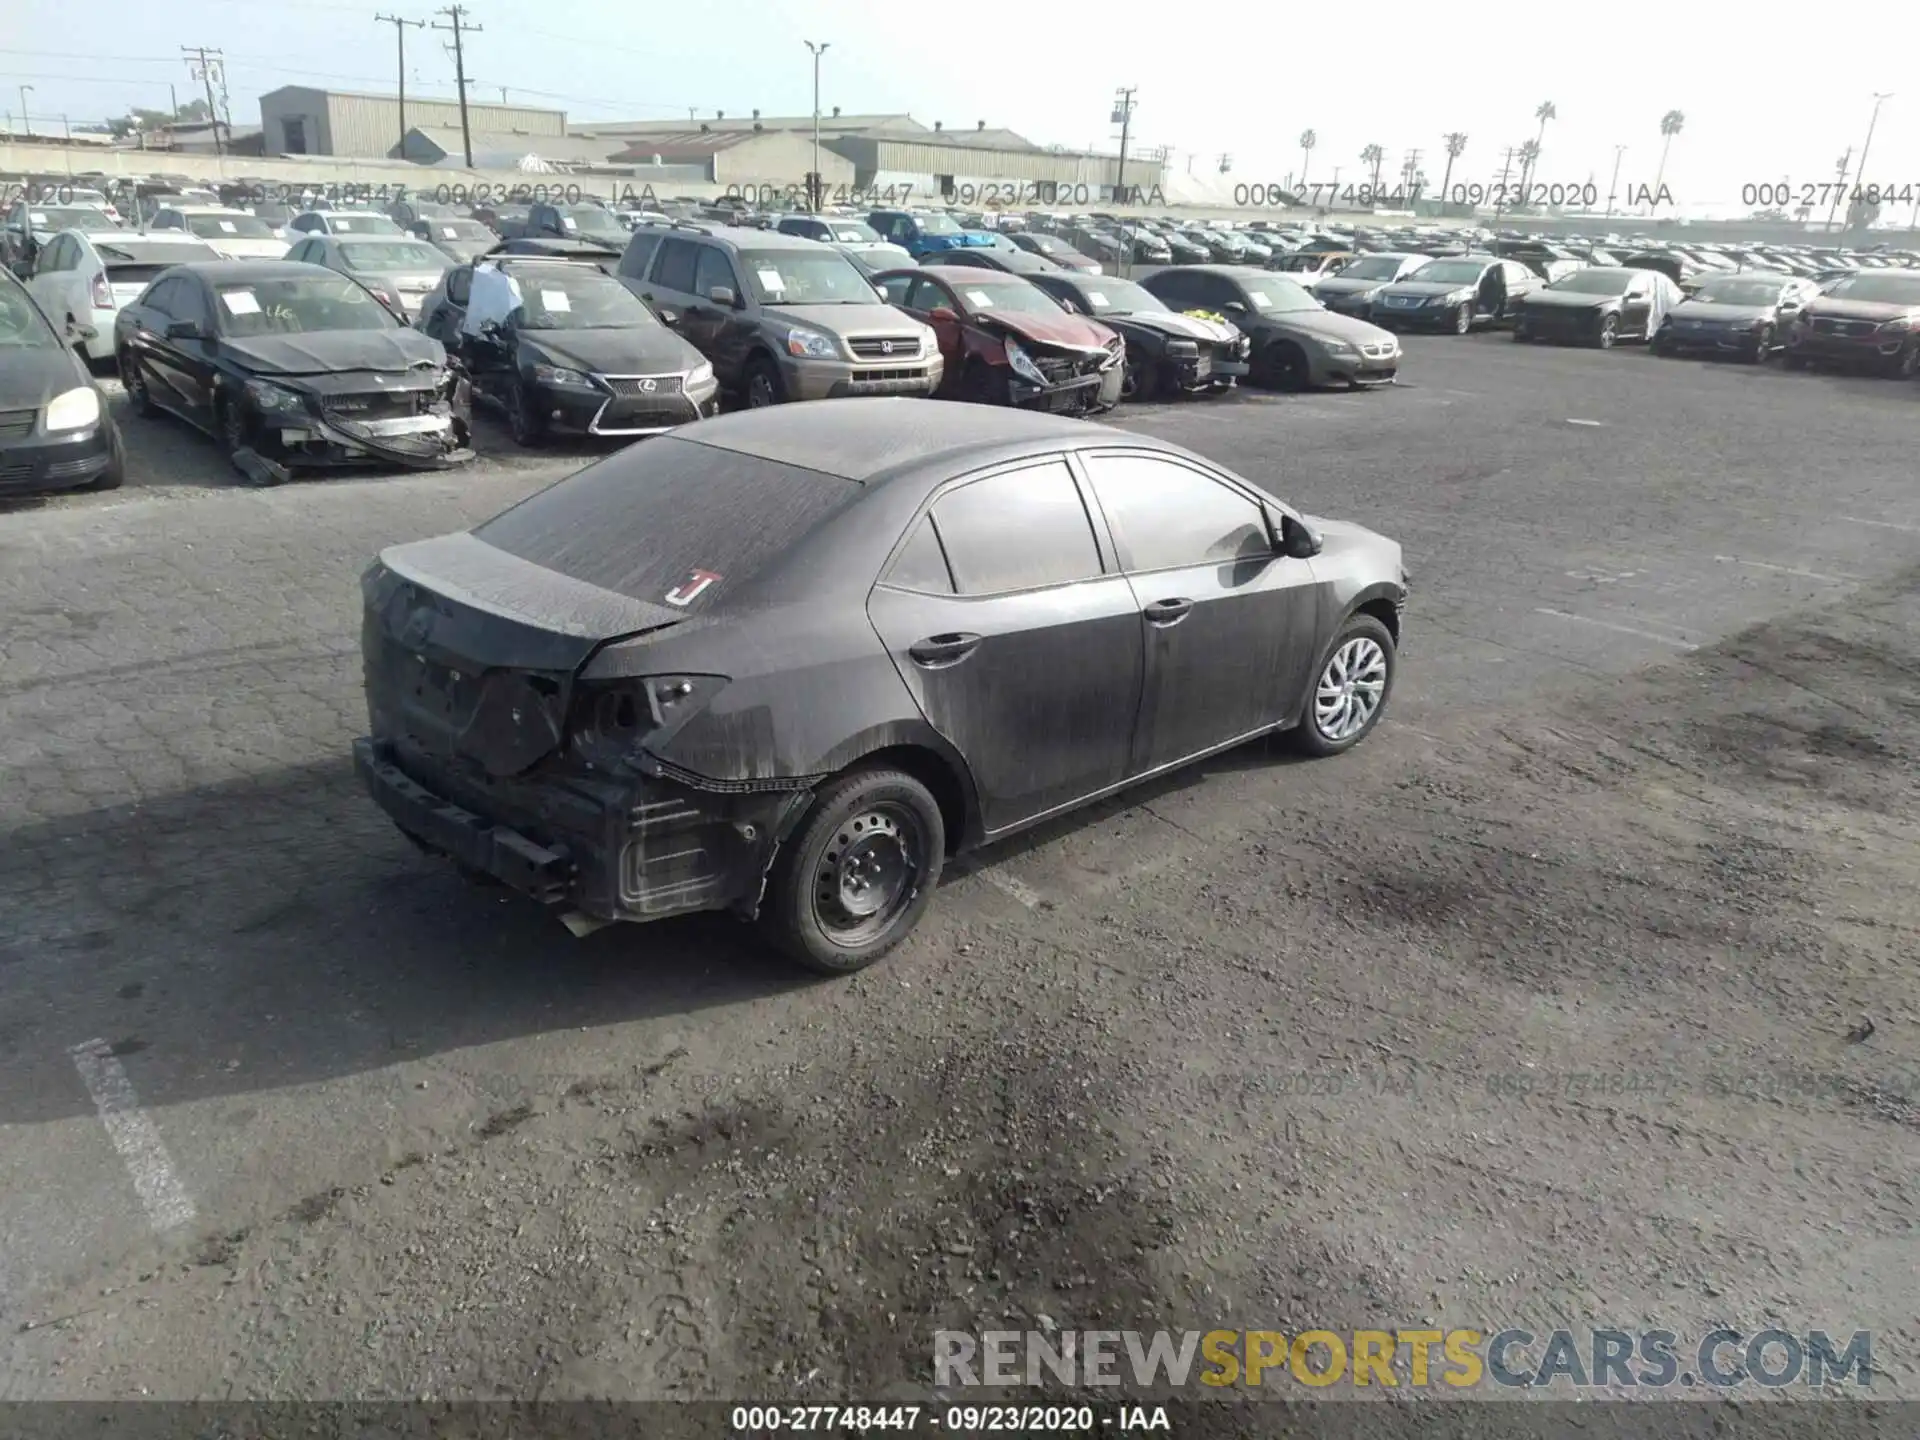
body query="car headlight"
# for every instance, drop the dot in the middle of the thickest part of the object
(1023, 365)
(562, 376)
(1185, 349)
(73, 409)
(1338, 347)
(1895, 327)
(699, 375)
(1456, 297)
(811, 345)
(271, 399)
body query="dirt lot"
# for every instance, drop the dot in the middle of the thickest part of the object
(1547, 1007)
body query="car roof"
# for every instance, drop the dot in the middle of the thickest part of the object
(954, 274)
(220, 272)
(744, 235)
(883, 439)
(206, 209)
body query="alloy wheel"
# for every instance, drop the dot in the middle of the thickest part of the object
(1351, 686)
(1609, 329)
(868, 874)
(1463, 320)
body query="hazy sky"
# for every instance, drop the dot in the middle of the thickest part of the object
(1759, 103)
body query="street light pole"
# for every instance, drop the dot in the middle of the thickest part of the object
(26, 120)
(1879, 99)
(817, 190)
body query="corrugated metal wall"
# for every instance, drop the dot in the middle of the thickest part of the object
(369, 125)
(898, 157)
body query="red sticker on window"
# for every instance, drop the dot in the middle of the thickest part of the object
(693, 587)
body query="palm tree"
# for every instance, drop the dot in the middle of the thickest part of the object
(1671, 125)
(1547, 111)
(1456, 147)
(1529, 153)
(1373, 157)
(1307, 141)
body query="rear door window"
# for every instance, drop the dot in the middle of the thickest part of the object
(633, 264)
(1019, 530)
(657, 520)
(676, 266)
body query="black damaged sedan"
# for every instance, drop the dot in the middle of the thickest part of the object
(290, 367)
(944, 624)
(1168, 354)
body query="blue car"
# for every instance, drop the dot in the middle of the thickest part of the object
(922, 234)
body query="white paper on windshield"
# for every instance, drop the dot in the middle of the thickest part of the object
(1262, 301)
(227, 227)
(852, 237)
(340, 224)
(980, 298)
(240, 302)
(39, 217)
(557, 301)
(772, 281)
(1095, 297)
(447, 232)
(567, 222)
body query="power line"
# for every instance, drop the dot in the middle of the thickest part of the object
(400, 39)
(456, 17)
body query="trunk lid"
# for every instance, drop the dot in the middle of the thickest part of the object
(470, 653)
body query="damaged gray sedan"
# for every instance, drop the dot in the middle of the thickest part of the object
(785, 663)
(291, 366)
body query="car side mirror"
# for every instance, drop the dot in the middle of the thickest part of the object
(1234, 307)
(942, 312)
(1299, 540)
(77, 331)
(722, 295)
(183, 330)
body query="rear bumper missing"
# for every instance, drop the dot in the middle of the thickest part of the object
(634, 850)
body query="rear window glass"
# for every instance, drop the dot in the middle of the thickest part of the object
(669, 521)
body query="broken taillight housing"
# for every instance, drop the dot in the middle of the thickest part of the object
(611, 717)
(102, 292)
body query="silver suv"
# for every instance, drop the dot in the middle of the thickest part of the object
(779, 317)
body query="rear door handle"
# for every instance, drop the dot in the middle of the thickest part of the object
(1167, 612)
(948, 649)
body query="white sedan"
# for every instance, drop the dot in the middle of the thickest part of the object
(85, 278)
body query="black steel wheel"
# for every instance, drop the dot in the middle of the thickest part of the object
(856, 877)
(762, 385)
(1281, 366)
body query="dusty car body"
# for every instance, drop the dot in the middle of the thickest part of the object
(290, 367)
(1004, 341)
(1350, 290)
(1455, 293)
(1745, 316)
(1597, 305)
(947, 625)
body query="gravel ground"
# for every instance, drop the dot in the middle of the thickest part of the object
(1542, 1008)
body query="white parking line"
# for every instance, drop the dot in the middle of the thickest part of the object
(1621, 629)
(1880, 524)
(132, 1133)
(1788, 570)
(1007, 885)
(1595, 423)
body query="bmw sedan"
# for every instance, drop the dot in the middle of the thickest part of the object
(946, 624)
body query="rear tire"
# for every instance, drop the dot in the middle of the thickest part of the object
(1358, 665)
(872, 838)
(135, 384)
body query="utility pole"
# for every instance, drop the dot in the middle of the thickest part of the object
(1123, 117)
(26, 120)
(1613, 185)
(457, 25)
(1409, 173)
(400, 40)
(205, 65)
(1840, 185)
(1500, 194)
(1860, 175)
(816, 189)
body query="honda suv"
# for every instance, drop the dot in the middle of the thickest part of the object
(780, 317)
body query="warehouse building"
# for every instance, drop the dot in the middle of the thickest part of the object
(736, 157)
(299, 120)
(892, 151)
(502, 149)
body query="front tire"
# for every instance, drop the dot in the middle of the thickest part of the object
(1609, 332)
(115, 475)
(855, 878)
(1762, 346)
(1282, 366)
(1463, 320)
(236, 435)
(762, 385)
(524, 420)
(1351, 687)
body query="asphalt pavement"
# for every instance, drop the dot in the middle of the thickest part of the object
(287, 1108)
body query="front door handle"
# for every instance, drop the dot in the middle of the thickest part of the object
(939, 650)
(1167, 612)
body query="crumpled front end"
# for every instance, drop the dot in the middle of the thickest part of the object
(1065, 379)
(419, 420)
